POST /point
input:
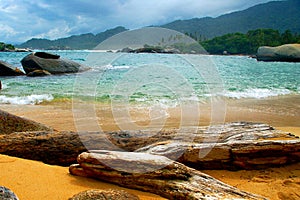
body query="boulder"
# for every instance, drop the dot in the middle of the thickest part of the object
(104, 195)
(38, 72)
(284, 53)
(11, 123)
(156, 174)
(7, 194)
(7, 69)
(51, 63)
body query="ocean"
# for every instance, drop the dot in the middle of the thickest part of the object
(165, 79)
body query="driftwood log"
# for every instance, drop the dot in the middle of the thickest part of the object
(156, 174)
(231, 146)
(244, 145)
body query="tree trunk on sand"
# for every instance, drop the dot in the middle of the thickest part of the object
(156, 174)
(230, 146)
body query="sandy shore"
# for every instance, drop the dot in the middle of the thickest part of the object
(32, 180)
(35, 180)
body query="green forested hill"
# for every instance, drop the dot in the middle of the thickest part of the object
(278, 15)
(84, 41)
(240, 43)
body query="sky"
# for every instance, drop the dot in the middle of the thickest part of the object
(21, 20)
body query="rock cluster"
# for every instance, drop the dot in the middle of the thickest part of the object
(42, 64)
(151, 49)
(283, 53)
(50, 63)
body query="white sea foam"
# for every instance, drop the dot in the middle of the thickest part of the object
(257, 93)
(4, 86)
(116, 67)
(25, 100)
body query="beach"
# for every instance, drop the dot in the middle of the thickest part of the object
(38, 180)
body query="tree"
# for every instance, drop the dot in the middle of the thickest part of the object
(4, 46)
(239, 43)
(287, 37)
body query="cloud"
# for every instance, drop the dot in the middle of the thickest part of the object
(21, 20)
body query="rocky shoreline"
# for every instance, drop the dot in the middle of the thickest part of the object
(42, 64)
(243, 145)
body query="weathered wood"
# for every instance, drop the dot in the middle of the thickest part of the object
(231, 155)
(229, 146)
(156, 174)
(58, 148)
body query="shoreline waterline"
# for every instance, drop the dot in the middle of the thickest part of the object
(281, 111)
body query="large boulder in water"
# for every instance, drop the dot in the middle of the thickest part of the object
(7, 69)
(284, 53)
(51, 63)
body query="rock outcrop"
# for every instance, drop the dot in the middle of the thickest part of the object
(156, 174)
(11, 123)
(50, 63)
(104, 195)
(7, 69)
(231, 146)
(284, 53)
(151, 49)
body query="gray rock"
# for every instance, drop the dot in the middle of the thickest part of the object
(51, 63)
(104, 195)
(11, 123)
(7, 69)
(7, 194)
(284, 53)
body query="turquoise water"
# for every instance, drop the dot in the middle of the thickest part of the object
(147, 78)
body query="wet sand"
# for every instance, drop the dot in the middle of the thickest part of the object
(283, 112)
(35, 180)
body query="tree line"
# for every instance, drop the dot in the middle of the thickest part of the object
(5, 47)
(248, 43)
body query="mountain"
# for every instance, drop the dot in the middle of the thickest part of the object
(84, 41)
(278, 15)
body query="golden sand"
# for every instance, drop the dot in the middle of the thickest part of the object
(32, 180)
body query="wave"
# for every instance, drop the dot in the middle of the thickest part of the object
(26, 100)
(257, 93)
(116, 67)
